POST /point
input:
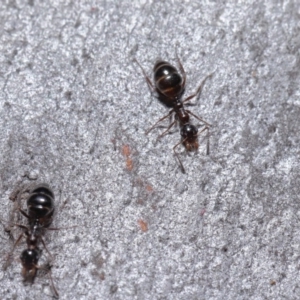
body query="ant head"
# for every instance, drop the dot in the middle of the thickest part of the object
(189, 135)
(29, 258)
(189, 131)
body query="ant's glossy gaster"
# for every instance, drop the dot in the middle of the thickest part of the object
(169, 86)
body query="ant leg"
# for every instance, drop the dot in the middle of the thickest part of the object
(150, 84)
(207, 146)
(181, 165)
(56, 295)
(189, 112)
(24, 213)
(17, 196)
(17, 241)
(163, 118)
(22, 226)
(46, 268)
(199, 89)
(9, 256)
(60, 228)
(43, 242)
(168, 129)
(64, 203)
(181, 68)
(14, 224)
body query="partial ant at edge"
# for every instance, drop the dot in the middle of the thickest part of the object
(40, 209)
(169, 86)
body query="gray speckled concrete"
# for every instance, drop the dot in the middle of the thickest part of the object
(74, 108)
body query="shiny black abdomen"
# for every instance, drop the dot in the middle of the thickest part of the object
(168, 81)
(40, 203)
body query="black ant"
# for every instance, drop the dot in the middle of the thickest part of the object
(40, 209)
(169, 87)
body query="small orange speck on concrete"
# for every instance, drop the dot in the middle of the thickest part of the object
(143, 225)
(149, 188)
(126, 150)
(129, 164)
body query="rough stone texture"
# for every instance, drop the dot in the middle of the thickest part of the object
(74, 108)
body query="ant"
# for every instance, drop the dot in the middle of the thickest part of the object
(40, 209)
(169, 87)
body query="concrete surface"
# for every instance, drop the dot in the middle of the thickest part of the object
(74, 109)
